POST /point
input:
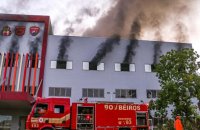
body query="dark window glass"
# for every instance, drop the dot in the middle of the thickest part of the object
(152, 93)
(61, 65)
(90, 93)
(101, 93)
(57, 91)
(68, 92)
(131, 93)
(96, 94)
(153, 67)
(124, 67)
(84, 92)
(51, 91)
(62, 92)
(117, 93)
(123, 93)
(92, 66)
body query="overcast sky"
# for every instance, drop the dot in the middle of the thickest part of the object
(74, 17)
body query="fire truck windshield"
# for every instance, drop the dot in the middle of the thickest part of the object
(40, 110)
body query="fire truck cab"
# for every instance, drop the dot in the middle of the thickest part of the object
(49, 114)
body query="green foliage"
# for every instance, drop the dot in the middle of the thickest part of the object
(179, 81)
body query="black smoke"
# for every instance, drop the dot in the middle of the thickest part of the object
(14, 47)
(34, 45)
(157, 52)
(63, 47)
(181, 35)
(1, 26)
(105, 47)
(157, 44)
(133, 44)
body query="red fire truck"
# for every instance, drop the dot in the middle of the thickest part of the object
(57, 113)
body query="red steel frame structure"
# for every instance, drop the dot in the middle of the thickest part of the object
(15, 72)
(32, 18)
(5, 72)
(10, 71)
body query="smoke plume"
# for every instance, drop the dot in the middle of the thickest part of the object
(105, 47)
(64, 44)
(181, 34)
(163, 12)
(157, 52)
(34, 45)
(14, 47)
(157, 44)
(133, 36)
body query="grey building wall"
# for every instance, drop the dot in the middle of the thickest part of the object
(83, 49)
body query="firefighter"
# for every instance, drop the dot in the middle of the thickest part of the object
(178, 124)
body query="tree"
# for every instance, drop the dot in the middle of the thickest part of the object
(180, 85)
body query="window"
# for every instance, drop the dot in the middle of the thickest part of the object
(93, 66)
(61, 64)
(152, 93)
(149, 68)
(59, 109)
(40, 109)
(124, 67)
(61, 92)
(93, 92)
(125, 93)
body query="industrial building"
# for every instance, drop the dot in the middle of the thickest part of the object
(33, 63)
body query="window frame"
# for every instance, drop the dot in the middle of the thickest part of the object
(119, 91)
(154, 93)
(68, 91)
(54, 65)
(85, 92)
(99, 67)
(131, 68)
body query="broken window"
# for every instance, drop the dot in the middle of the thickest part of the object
(149, 67)
(124, 67)
(61, 64)
(93, 66)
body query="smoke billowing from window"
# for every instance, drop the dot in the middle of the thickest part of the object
(105, 47)
(63, 48)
